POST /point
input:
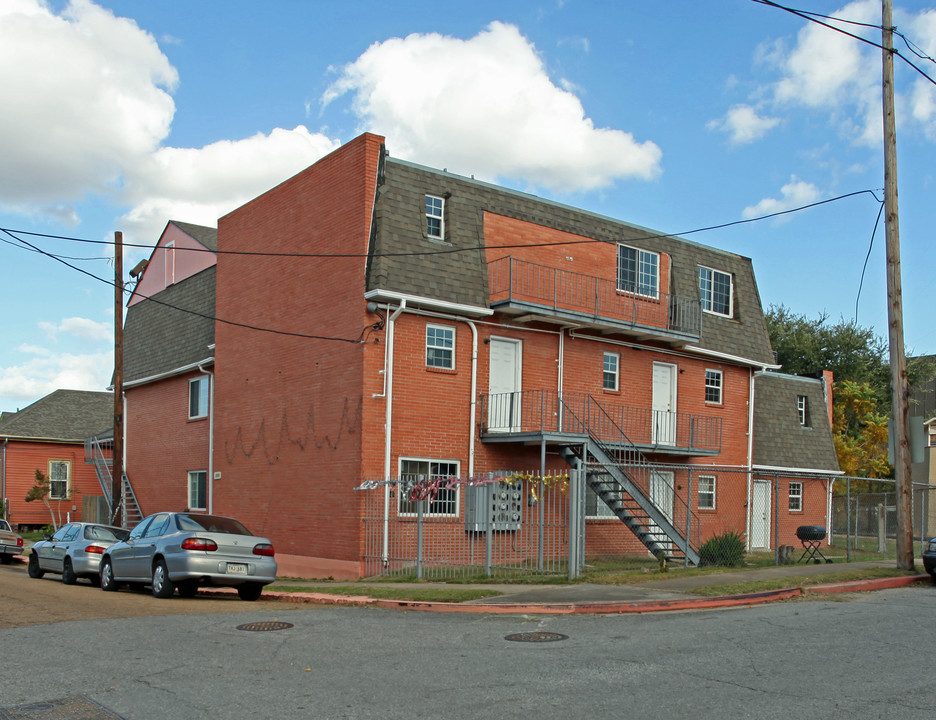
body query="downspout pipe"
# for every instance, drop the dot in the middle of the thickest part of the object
(211, 400)
(750, 457)
(3, 497)
(388, 427)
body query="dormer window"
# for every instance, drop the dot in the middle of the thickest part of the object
(638, 271)
(715, 289)
(802, 410)
(435, 221)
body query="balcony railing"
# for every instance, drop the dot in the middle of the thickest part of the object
(529, 287)
(546, 411)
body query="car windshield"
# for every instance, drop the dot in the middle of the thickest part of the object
(107, 534)
(210, 523)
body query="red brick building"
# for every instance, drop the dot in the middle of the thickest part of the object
(378, 319)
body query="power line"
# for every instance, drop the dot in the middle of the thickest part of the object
(259, 253)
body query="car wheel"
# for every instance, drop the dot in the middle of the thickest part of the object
(108, 583)
(163, 587)
(249, 591)
(68, 573)
(187, 588)
(32, 567)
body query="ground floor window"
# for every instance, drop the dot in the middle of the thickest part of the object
(429, 478)
(796, 496)
(59, 479)
(198, 490)
(595, 507)
(706, 492)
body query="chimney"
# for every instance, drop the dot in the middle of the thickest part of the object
(827, 391)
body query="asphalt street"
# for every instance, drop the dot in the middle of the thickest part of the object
(857, 655)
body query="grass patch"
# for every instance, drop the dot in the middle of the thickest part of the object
(803, 581)
(389, 592)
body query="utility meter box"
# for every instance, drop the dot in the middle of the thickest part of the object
(497, 505)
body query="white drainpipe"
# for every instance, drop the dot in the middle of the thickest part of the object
(388, 427)
(211, 399)
(750, 457)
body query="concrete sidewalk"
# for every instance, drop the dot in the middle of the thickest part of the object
(665, 594)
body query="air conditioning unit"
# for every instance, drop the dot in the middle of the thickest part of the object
(495, 505)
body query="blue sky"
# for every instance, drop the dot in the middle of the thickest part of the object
(675, 115)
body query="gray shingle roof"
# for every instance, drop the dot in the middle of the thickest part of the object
(461, 277)
(160, 336)
(63, 415)
(779, 439)
(207, 236)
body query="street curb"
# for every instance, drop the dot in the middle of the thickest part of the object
(595, 608)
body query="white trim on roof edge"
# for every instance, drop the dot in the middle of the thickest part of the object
(731, 358)
(774, 468)
(418, 301)
(170, 373)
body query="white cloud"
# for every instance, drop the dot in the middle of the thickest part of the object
(826, 70)
(744, 125)
(91, 96)
(794, 194)
(23, 384)
(200, 185)
(81, 329)
(486, 106)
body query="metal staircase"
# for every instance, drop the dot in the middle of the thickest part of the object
(626, 482)
(99, 452)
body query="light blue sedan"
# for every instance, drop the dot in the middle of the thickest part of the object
(185, 551)
(74, 551)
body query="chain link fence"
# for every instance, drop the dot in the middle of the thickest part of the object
(562, 523)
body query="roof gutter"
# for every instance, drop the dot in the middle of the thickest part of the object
(417, 301)
(731, 358)
(804, 471)
(169, 373)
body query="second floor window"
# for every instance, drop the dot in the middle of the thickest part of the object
(715, 291)
(198, 397)
(713, 386)
(610, 381)
(638, 271)
(435, 222)
(440, 347)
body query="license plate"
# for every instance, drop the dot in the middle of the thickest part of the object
(237, 568)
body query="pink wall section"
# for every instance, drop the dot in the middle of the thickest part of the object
(165, 265)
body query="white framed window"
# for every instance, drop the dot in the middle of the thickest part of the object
(424, 474)
(198, 397)
(796, 496)
(610, 373)
(802, 410)
(440, 346)
(170, 263)
(198, 490)
(706, 492)
(435, 217)
(59, 479)
(638, 271)
(595, 507)
(713, 386)
(715, 289)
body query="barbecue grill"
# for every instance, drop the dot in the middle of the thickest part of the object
(811, 536)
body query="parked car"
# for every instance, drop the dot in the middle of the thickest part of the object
(929, 558)
(10, 543)
(185, 551)
(74, 551)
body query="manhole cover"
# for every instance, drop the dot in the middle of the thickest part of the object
(536, 637)
(265, 626)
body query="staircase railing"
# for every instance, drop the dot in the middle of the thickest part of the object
(637, 478)
(103, 462)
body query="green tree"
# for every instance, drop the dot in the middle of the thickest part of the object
(40, 491)
(859, 432)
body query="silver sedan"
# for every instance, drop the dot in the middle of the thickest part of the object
(185, 551)
(74, 551)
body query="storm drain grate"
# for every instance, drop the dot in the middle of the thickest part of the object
(73, 708)
(265, 626)
(536, 637)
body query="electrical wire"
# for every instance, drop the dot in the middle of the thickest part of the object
(867, 257)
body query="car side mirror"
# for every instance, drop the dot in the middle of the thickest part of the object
(46, 536)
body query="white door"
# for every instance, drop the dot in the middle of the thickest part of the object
(661, 495)
(760, 515)
(504, 385)
(664, 404)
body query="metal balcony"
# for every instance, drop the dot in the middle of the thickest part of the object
(522, 288)
(534, 415)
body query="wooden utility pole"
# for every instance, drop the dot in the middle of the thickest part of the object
(900, 406)
(117, 468)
